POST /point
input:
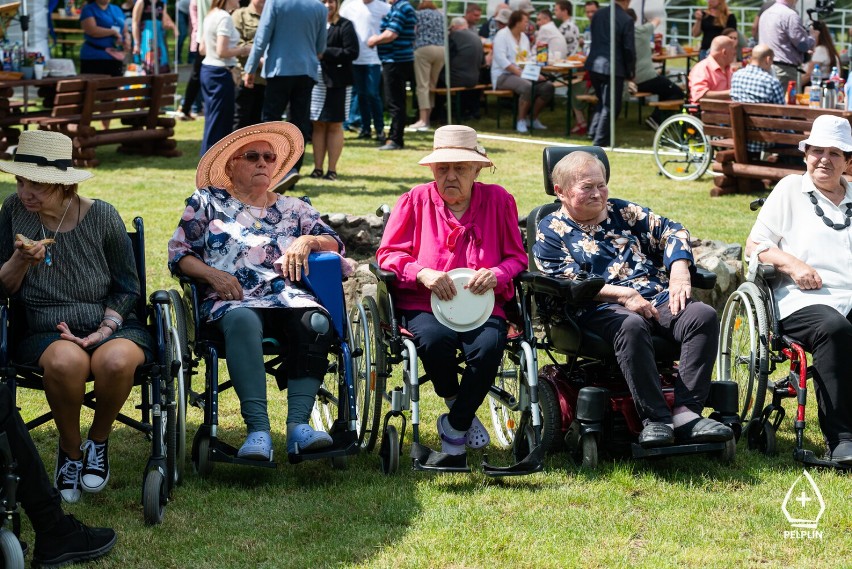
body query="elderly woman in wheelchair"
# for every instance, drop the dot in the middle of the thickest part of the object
(803, 230)
(70, 261)
(646, 261)
(249, 247)
(455, 238)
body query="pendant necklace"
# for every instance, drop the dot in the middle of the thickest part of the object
(247, 208)
(48, 256)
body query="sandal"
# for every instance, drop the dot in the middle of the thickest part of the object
(450, 445)
(477, 436)
(330, 175)
(317, 173)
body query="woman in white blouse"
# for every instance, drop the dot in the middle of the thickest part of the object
(804, 231)
(510, 47)
(217, 81)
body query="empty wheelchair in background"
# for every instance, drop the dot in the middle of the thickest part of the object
(335, 410)
(163, 411)
(512, 400)
(585, 399)
(752, 348)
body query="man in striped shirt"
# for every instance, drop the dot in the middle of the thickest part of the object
(395, 42)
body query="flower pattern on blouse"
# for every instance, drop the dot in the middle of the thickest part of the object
(219, 230)
(632, 247)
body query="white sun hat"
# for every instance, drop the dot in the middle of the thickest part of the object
(456, 143)
(829, 131)
(45, 157)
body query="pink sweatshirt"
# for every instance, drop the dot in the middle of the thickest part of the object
(423, 233)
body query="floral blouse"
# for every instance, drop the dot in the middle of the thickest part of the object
(225, 234)
(430, 28)
(632, 247)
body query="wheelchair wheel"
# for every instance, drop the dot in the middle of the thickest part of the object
(389, 450)
(154, 497)
(743, 350)
(11, 555)
(505, 420)
(324, 413)
(551, 417)
(729, 453)
(589, 451)
(180, 343)
(364, 327)
(681, 149)
(339, 462)
(761, 436)
(378, 371)
(204, 464)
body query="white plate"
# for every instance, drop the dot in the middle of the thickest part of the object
(465, 311)
(568, 64)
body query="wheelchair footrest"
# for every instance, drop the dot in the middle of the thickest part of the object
(530, 464)
(810, 458)
(425, 459)
(344, 443)
(223, 452)
(693, 448)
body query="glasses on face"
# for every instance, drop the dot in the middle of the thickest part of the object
(253, 156)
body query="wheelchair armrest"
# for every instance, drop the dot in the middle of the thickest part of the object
(386, 277)
(703, 279)
(573, 291)
(767, 272)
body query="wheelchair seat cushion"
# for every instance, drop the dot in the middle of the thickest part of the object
(571, 340)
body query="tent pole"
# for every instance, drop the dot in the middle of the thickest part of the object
(447, 66)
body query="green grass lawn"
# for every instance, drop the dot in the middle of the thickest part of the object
(687, 512)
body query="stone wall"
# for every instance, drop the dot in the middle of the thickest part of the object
(362, 234)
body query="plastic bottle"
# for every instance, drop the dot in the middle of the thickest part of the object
(673, 45)
(816, 77)
(790, 97)
(587, 41)
(849, 92)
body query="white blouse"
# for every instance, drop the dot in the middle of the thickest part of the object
(219, 23)
(505, 52)
(788, 221)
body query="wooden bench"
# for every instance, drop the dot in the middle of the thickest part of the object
(781, 125)
(456, 92)
(502, 94)
(114, 110)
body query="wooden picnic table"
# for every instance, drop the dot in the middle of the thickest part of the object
(68, 31)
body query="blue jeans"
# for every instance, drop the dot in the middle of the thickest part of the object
(368, 81)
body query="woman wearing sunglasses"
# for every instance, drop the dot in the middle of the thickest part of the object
(249, 247)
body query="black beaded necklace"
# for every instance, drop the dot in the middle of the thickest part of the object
(825, 218)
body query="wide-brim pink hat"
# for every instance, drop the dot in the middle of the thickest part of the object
(456, 143)
(284, 137)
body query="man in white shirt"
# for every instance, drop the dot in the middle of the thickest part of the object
(563, 11)
(366, 16)
(547, 33)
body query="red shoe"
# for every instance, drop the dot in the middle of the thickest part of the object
(580, 129)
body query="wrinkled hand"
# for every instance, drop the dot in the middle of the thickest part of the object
(438, 282)
(680, 287)
(34, 255)
(296, 258)
(483, 281)
(226, 285)
(805, 276)
(95, 337)
(637, 303)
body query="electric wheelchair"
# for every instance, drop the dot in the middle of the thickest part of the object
(752, 347)
(335, 408)
(585, 401)
(512, 400)
(12, 550)
(163, 404)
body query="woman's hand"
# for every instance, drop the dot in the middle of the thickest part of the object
(95, 337)
(296, 257)
(680, 286)
(483, 281)
(438, 282)
(32, 256)
(226, 285)
(637, 303)
(805, 276)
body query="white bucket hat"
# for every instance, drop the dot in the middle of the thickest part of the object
(522, 5)
(45, 157)
(503, 16)
(456, 143)
(829, 131)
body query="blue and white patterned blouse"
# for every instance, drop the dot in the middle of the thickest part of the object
(632, 247)
(223, 233)
(430, 28)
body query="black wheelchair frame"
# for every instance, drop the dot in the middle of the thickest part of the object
(163, 418)
(12, 550)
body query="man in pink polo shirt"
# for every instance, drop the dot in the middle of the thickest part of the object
(711, 77)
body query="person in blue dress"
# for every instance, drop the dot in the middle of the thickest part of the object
(144, 22)
(103, 32)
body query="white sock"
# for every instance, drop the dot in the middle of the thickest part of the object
(682, 415)
(449, 430)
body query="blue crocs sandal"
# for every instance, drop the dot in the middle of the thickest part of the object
(302, 437)
(477, 436)
(258, 446)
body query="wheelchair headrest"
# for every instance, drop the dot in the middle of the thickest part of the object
(553, 154)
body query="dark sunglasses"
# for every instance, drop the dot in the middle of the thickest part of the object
(252, 156)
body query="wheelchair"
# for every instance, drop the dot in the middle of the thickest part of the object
(335, 409)
(682, 150)
(12, 550)
(585, 401)
(752, 347)
(512, 401)
(163, 409)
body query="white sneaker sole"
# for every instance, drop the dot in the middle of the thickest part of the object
(93, 489)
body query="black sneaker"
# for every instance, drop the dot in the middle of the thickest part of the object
(95, 466)
(71, 542)
(66, 477)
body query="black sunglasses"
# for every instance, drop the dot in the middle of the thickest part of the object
(253, 156)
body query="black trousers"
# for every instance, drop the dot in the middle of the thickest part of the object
(827, 335)
(193, 86)
(665, 90)
(293, 90)
(40, 500)
(437, 346)
(695, 328)
(599, 128)
(395, 75)
(248, 105)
